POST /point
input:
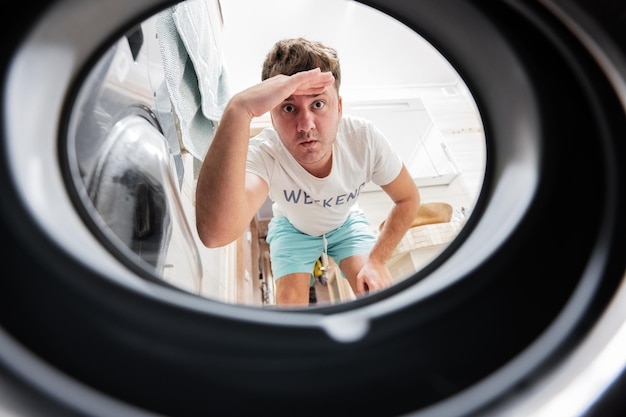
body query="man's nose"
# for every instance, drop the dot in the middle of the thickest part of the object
(306, 121)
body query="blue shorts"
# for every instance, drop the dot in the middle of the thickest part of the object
(292, 251)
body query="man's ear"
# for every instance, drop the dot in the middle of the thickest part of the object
(340, 106)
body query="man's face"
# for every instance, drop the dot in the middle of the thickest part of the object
(307, 126)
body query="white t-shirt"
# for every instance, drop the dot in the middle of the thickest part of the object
(316, 206)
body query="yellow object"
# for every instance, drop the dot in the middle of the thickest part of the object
(318, 269)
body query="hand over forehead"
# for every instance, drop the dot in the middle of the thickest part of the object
(312, 82)
(264, 96)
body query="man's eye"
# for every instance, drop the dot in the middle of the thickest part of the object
(318, 104)
(288, 108)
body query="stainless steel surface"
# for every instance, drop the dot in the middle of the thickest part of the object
(126, 165)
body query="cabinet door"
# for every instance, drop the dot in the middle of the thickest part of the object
(410, 129)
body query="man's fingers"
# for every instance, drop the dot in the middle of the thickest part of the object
(313, 81)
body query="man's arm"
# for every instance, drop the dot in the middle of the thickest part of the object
(404, 193)
(226, 196)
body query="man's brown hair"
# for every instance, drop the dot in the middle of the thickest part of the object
(299, 54)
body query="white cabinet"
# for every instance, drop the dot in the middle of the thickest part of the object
(410, 129)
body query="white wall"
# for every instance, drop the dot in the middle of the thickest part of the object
(375, 50)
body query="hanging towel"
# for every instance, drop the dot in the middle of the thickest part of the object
(189, 35)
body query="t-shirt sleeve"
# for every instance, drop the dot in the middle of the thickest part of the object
(256, 162)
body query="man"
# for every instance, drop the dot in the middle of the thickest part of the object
(312, 163)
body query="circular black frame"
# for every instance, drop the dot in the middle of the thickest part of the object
(547, 235)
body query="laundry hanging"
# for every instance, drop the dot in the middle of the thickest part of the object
(189, 36)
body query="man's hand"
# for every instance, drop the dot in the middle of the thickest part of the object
(373, 277)
(263, 97)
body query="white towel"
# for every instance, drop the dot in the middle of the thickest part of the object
(189, 36)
